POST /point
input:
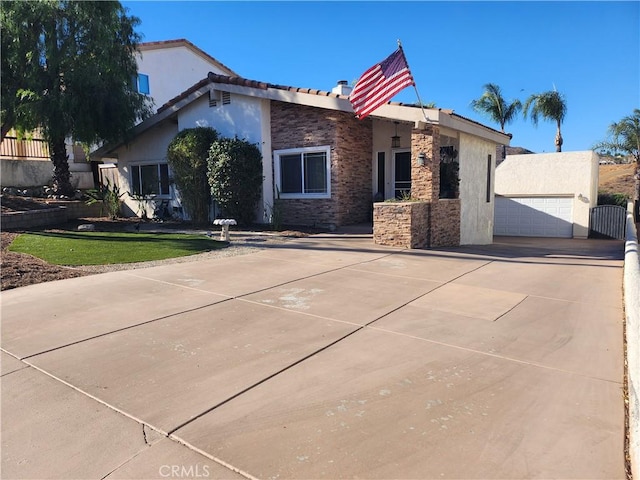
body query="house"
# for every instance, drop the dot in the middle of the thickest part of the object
(168, 67)
(546, 194)
(321, 165)
(165, 69)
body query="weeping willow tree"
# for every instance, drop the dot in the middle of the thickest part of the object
(550, 106)
(67, 70)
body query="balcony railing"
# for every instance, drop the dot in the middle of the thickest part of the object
(14, 148)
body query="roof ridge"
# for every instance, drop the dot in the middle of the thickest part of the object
(182, 42)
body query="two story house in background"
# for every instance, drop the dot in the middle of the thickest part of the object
(165, 69)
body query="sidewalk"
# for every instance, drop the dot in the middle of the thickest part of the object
(323, 357)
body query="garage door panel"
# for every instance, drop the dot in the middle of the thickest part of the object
(534, 216)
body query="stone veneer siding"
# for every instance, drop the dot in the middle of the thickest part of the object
(298, 126)
(61, 212)
(401, 224)
(445, 223)
(432, 222)
(425, 179)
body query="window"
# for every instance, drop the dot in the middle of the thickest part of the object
(303, 172)
(141, 83)
(449, 172)
(150, 180)
(489, 178)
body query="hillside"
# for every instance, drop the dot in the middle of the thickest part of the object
(617, 179)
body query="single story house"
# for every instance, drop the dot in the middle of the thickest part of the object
(546, 194)
(321, 164)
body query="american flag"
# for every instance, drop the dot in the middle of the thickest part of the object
(380, 83)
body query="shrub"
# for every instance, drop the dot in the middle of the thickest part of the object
(235, 177)
(619, 199)
(109, 195)
(187, 156)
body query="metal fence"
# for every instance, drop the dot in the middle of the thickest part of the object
(607, 221)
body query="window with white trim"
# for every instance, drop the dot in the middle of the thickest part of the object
(150, 179)
(303, 172)
(141, 83)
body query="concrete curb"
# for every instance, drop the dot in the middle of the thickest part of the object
(632, 309)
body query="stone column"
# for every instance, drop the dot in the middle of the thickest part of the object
(425, 179)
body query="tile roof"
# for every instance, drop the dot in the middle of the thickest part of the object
(244, 82)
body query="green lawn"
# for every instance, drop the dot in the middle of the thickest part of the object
(103, 248)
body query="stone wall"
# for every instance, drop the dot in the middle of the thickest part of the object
(401, 224)
(298, 126)
(353, 166)
(60, 213)
(445, 223)
(425, 179)
(430, 222)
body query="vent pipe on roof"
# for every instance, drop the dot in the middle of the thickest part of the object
(342, 88)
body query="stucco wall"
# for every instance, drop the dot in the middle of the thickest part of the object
(383, 130)
(26, 173)
(173, 70)
(476, 214)
(553, 174)
(632, 310)
(150, 147)
(36, 173)
(241, 118)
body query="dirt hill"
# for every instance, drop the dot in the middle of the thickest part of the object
(617, 179)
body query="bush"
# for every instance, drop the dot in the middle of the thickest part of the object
(619, 199)
(187, 156)
(109, 195)
(235, 177)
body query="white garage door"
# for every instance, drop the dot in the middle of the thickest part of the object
(534, 217)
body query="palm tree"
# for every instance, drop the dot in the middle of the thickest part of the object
(493, 105)
(624, 137)
(550, 106)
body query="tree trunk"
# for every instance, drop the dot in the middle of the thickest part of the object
(61, 174)
(558, 140)
(6, 126)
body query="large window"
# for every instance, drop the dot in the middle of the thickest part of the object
(303, 172)
(150, 180)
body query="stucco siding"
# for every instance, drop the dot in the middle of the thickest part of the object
(173, 70)
(240, 118)
(150, 147)
(244, 117)
(476, 214)
(573, 174)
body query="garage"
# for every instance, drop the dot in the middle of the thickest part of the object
(534, 216)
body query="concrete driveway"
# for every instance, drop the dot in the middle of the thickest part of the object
(324, 357)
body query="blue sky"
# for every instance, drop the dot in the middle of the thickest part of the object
(589, 51)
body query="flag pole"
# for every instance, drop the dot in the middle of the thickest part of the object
(415, 86)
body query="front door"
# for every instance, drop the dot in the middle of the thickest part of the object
(402, 174)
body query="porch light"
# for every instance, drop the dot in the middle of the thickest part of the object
(422, 158)
(395, 140)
